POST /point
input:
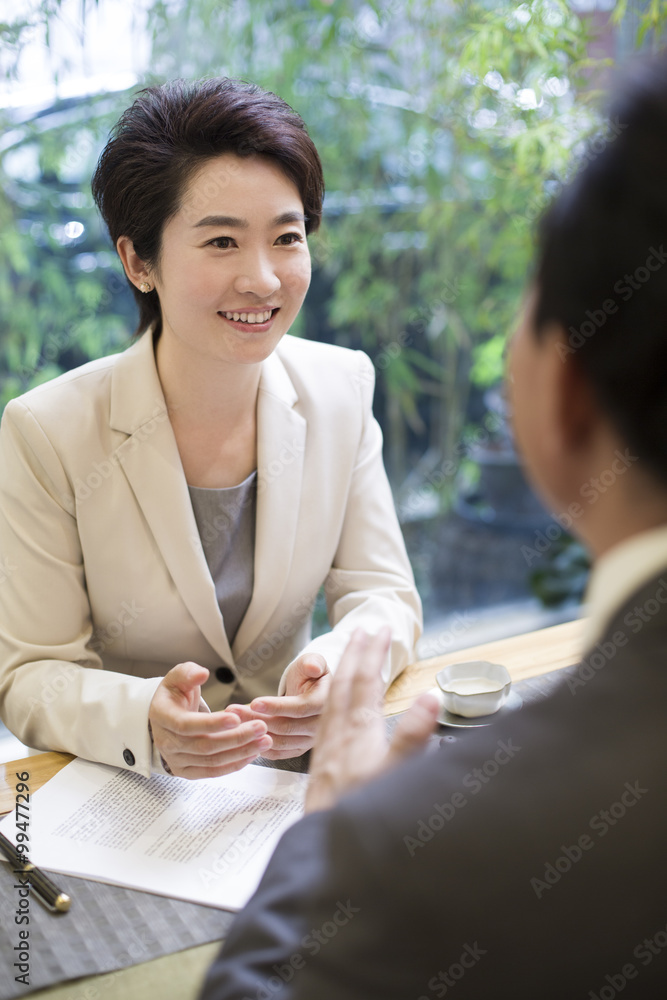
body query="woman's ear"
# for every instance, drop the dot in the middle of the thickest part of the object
(135, 268)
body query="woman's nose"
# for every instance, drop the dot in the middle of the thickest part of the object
(257, 275)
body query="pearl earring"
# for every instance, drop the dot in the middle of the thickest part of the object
(145, 287)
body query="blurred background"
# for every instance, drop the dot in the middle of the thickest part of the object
(444, 128)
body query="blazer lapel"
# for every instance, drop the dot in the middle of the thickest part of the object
(152, 464)
(281, 441)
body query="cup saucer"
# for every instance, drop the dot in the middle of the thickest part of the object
(445, 718)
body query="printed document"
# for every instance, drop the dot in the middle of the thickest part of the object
(206, 841)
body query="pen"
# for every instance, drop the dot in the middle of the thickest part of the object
(40, 883)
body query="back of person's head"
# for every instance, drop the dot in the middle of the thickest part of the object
(168, 133)
(602, 266)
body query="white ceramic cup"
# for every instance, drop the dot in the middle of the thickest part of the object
(474, 688)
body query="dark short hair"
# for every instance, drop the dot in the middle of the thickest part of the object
(602, 265)
(171, 131)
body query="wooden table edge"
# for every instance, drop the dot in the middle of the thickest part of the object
(40, 768)
(526, 655)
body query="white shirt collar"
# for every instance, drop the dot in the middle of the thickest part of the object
(618, 574)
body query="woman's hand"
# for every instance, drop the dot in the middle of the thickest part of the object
(292, 720)
(352, 745)
(197, 743)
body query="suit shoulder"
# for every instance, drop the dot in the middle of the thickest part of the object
(66, 393)
(312, 365)
(299, 352)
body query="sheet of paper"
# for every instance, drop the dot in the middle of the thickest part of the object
(207, 841)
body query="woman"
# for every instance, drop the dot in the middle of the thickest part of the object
(172, 511)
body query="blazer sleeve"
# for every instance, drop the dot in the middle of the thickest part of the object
(45, 617)
(370, 583)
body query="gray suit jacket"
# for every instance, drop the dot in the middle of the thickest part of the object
(526, 860)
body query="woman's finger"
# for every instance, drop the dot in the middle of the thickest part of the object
(283, 726)
(285, 753)
(197, 771)
(184, 760)
(169, 743)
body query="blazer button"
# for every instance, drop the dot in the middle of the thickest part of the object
(225, 675)
(128, 757)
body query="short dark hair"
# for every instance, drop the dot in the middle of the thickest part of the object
(171, 131)
(602, 265)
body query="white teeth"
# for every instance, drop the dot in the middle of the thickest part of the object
(262, 317)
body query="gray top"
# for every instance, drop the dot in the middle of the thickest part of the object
(226, 524)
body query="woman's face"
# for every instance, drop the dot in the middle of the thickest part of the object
(234, 266)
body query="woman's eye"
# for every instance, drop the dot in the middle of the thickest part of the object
(287, 239)
(221, 242)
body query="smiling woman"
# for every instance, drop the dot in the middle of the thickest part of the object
(211, 478)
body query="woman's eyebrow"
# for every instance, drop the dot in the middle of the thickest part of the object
(287, 217)
(231, 222)
(222, 220)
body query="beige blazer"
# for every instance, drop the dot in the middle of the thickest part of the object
(104, 585)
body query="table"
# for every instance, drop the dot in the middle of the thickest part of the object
(180, 975)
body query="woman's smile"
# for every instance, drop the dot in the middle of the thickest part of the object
(250, 321)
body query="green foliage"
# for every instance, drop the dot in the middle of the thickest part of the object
(434, 167)
(59, 308)
(444, 128)
(13, 34)
(650, 17)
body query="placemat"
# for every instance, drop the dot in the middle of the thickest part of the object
(107, 928)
